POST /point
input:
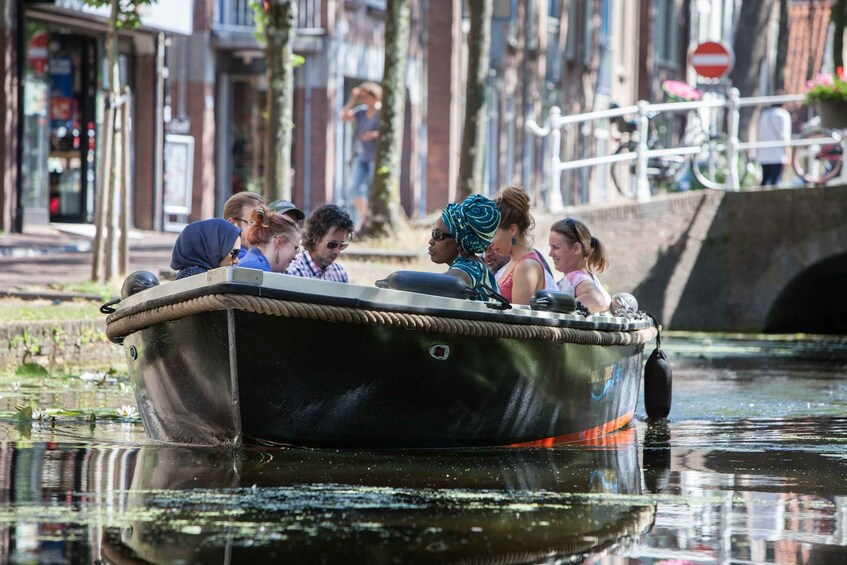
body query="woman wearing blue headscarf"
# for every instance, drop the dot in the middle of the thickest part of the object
(464, 231)
(205, 245)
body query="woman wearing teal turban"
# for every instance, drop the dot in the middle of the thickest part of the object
(464, 231)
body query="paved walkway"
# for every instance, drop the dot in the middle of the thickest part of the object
(61, 253)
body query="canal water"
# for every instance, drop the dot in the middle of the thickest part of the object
(751, 467)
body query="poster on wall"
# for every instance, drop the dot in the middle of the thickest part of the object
(178, 178)
(61, 92)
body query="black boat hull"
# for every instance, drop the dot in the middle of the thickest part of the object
(222, 377)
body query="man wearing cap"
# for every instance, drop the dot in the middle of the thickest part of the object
(325, 235)
(288, 208)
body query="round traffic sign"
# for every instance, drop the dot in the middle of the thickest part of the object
(712, 59)
(38, 51)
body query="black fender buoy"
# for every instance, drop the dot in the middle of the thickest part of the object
(138, 281)
(658, 381)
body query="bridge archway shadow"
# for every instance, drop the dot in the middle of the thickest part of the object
(812, 302)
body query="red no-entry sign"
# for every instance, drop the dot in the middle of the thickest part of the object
(712, 59)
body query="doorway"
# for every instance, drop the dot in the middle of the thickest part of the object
(72, 117)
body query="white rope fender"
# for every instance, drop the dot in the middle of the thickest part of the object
(118, 326)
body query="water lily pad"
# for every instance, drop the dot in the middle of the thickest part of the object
(31, 370)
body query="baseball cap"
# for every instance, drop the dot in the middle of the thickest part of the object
(284, 206)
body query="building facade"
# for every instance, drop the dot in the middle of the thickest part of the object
(54, 93)
(200, 91)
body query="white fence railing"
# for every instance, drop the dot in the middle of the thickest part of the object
(644, 111)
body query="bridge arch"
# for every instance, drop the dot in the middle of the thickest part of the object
(812, 302)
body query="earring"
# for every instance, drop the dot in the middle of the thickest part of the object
(514, 241)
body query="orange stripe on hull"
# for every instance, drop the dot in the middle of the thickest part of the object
(594, 436)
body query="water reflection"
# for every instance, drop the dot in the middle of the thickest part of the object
(163, 504)
(750, 468)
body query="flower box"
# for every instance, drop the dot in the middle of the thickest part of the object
(833, 114)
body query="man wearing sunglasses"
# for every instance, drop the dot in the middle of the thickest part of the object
(237, 211)
(325, 235)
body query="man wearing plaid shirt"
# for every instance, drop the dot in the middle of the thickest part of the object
(325, 235)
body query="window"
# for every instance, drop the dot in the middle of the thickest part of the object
(667, 48)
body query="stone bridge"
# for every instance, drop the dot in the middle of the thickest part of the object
(763, 260)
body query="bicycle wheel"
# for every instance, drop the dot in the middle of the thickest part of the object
(820, 162)
(623, 174)
(711, 165)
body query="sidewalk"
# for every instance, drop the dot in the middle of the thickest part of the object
(70, 238)
(33, 264)
(61, 253)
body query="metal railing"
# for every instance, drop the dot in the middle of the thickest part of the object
(239, 14)
(644, 111)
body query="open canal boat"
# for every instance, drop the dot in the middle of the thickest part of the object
(244, 356)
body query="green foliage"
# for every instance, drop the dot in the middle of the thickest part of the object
(827, 88)
(129, 11)
(260, 18)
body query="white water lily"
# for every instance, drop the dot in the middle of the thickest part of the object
(98, 377)
(93, 376)
(127, 411)
(39, 414)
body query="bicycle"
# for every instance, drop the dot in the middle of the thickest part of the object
(660, 170)
(820, 162)
(708, 166)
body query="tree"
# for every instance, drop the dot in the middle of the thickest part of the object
(385, 212)
(750, 46)
(111, 240)
(279, 30)
(473, 129)
(781, 46)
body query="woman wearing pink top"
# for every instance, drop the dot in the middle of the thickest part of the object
(578, 255)
(523, 275)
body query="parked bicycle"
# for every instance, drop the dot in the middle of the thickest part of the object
(660, 170)
(821, 161)
(708, 167)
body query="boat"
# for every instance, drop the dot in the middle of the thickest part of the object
(240, 356)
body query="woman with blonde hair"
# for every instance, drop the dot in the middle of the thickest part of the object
(274, 240)
(578, 254)
(524, 274)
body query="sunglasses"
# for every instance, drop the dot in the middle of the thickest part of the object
(340, 244)
(572, 224)
(296, 247)
(438, 235)
(234, 254)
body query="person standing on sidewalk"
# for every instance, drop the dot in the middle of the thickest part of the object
(774, 125)
(363, 108)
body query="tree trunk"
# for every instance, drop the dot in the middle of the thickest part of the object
(106, 244)
(839, 15)
(384, 212)
(473, 132)
(750, 49)
(279, 34)
(781, 47)
(126, 175)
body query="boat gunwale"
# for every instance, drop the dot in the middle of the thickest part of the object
(251, 282)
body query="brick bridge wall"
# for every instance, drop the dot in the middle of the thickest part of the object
(714, 260)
